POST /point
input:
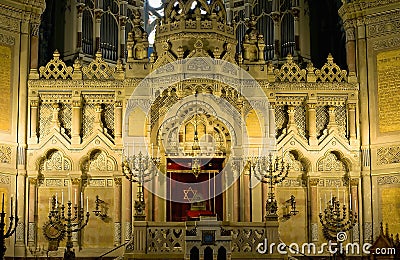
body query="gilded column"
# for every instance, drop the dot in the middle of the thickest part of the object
(118, 121)
(127, 208)
(291, 123)
(312, 124)
(350, 47)
(246, 197)
(76, 121)
(352, 122)
(98, 124)
(34, 121)
(313, 210)
(117, 210)
(236, 191)
(23, 71)
(354, 206)
(32, 214)
(271, 120)
(362, 71)
(34, 51)
(332, 118)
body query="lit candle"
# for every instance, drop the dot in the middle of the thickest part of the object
(82, 200)
(87, 204)
(355, 206)
(75, 197)
(151, 150)
(325, 200)
(2, 204)
(69, 191)
(62, 197)
(50, 203)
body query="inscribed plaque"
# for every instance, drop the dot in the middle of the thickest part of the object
(5, 88)
(388, 71)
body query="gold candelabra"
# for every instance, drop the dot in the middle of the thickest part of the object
(65, 220)
(11, 228)
(270, 171)
(141, 169)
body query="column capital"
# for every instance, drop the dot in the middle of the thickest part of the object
(118, 181)
(354, 182)
(313, 181)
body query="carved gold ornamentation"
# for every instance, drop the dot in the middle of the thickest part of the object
(55, 69)
(388, 155)
(5, 154)
(98, 69)
(331, 72)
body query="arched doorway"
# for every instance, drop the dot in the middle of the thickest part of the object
(194, 254)
(208, 253)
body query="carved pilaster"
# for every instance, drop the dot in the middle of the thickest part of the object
(312, 124)
(352, 122)
(291, 122)
(55, 121)
(76, 121)
(34, 121)
(332, 125)
(118, 122)
(98, 124)
(271, 120)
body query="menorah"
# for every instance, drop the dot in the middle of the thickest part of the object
(141, 169)
(67, 219)
(11, 228)
(335, 222)
(270, 171)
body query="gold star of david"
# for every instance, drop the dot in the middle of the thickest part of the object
(193, 192)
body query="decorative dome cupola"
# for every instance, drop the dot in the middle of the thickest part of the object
(195, 28)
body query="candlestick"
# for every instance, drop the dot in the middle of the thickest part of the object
(82, 200)
(355, 205)
(325, 200)
(87, 204)
(62, 197)
(2, 205)
(75, 197)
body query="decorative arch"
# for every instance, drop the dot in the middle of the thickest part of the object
(194, 253)
(334, 161)
(97, 160)
(54, 160)
(298, 161)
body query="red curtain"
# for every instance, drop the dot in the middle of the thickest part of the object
(183, 188)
